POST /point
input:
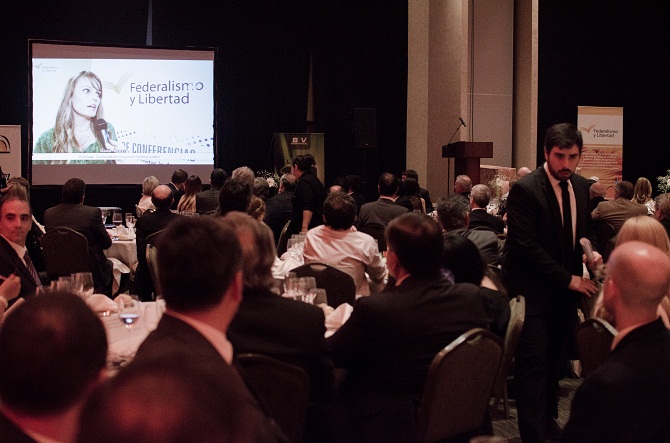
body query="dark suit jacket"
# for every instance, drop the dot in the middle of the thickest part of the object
(390, 340)
(207, 201)
(278, 210)
(146, 225)
(533, 251)
(481, 219)
(176, 194)
(88, 221)
(486, 241)
(616, 212)
(287, 330)
(627, 398)
(11, 263)
(379, 212)
(175, 341)
(9, 432)
(359, 199)
(424, 194)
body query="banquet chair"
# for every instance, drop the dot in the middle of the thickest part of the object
(340, 287)
(65, 252)
(152, 264)
(282, 242)
(283, 388)
(458, 387)
(517, 317)
(594, 340)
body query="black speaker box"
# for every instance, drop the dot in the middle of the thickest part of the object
(365, 127)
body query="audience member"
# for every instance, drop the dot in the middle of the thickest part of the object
(337, 243)
(261, 188)
(279, 209)
(523, 171)
(200, 275)
(176, 185)
(308, 197)
(597, 193)
(423, 193)
(410, 197)
(52, 353)
(148, 186)
(192, 186)
(662, 212)
(146, 225)
(480, 196)
(343, 183)
(543, 262)
(379, 213)
(16, 186)
(463, 185)
(626, 398)
(207, 202)
(391, 338)
(15, 222)
(453, 213)
(256, 208)
(464, 261)
(616, 212)
(235, 195)
(244, 173)
(165, 402)
(268, 324)
(72, 213)
(355, 191)
(642, 194)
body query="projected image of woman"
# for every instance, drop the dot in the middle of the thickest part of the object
(75, 128)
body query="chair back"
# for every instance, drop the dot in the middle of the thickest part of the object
(517, 317)
(377, 232)
(594, 340)
(340, 286)
(282, 242)
(458, 387)
(65, 252)
(282, 387)
(152, 261)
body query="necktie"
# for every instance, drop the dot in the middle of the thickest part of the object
(567, 222)
(31, 269)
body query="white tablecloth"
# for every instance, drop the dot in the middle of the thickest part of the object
(117, 335)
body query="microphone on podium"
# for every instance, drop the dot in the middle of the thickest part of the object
(462, 123)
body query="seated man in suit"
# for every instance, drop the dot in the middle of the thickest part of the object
(338, 244)
(176, 185)
(207, 202)
(627, 398)
(376, 215)
(73, 214)
(391, 338)
(453, 212)
(279, 209)
(616, 212)
(480, 196)
(235, 195)
(52, 353)
(269, 324)
(15, 223)
(200, 273)
(149, 223)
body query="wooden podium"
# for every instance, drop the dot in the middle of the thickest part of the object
(467, 155)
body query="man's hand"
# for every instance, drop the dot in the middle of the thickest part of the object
(583, 285)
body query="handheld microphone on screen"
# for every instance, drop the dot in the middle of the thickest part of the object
(101, 128)
(462, 123)
(588, 251)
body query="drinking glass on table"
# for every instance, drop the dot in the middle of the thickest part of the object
(129, 312)
(117, 219)
(83, 281)
(65, 284)
(104, 214)
(308, 289)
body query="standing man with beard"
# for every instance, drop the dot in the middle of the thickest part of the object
(548, 212)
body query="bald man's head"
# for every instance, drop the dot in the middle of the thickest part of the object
(161, 197)
(638, 277)
(523, 171)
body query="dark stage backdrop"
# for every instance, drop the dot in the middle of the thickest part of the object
(608, 53)
(264, 48)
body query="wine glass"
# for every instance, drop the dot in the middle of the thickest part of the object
(129, 218)
(117, 220)
(84, 282)
(308, 289)
(104, 215)
(129, 312)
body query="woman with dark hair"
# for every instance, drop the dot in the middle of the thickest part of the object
(75, 127)
(308, 197)
(192, 186)
(411, 198)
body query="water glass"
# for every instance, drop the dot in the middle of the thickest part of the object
(83, 282)
(129, 313)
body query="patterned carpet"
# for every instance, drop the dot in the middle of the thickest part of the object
(508, 427)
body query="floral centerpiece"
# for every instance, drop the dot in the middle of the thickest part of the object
(271, 177)
(664, 182)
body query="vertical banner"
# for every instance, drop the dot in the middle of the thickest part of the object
(602, 156)
(289, 145)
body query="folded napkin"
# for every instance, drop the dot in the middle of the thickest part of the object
(101, 303)
(337, 318)
(282, 266)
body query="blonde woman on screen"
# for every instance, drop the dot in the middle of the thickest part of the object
(75, 128)
(648, 230)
